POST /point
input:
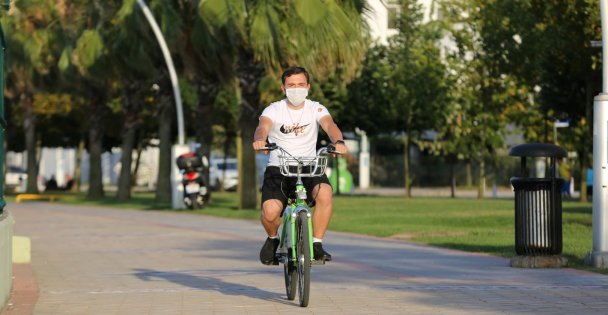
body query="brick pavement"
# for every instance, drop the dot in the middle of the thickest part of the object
(89, 260)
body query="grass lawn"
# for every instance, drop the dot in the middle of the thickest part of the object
(466, 224)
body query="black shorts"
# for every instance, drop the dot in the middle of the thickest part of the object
(277, 186)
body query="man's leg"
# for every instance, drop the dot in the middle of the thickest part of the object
(323, 210)
(320, 219)
(272, 205)
(271, 220)
(271, 216)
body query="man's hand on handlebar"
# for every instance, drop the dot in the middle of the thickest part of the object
(340, 147)
(260, 145)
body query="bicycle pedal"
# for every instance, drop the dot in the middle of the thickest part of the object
(318, 262)
(275, 261)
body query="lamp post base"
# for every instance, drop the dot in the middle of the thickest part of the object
(597, 259)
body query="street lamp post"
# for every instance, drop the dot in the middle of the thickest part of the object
(599, 256)
(172, 73)
(180, 148)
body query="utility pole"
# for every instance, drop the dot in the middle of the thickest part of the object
(599, 256)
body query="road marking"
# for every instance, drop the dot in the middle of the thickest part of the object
(22, 248)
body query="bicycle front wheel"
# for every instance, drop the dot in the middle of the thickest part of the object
(303, 256)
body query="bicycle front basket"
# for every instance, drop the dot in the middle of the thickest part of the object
(309, 166)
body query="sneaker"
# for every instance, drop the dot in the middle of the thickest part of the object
(267, 253)
(319, 253)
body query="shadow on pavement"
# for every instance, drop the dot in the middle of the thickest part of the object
(207, 283)
(504, 251)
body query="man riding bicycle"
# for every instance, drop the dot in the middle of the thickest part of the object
(293, 123)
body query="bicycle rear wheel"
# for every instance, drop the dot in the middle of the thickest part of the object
(303, 256)
(291, 277)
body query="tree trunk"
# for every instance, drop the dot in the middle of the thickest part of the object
(126, 161)
(250, 76)
(406, 165)
(97, 114)
(587, 139)
(230, 137)
(131, 110)
(583, 182)
(78, 167)
(29, 125)
(468, 173)
(482, 179)
(165, 120)
(204, 125)
(95, 149)
(452, 177)
(140, 148)
(246, 157)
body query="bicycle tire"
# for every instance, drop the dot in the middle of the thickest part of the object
(303, 256)
(291, 277)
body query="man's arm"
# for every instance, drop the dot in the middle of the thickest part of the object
(334, 133)
(261, 133)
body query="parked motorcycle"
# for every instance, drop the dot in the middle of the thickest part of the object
(196, 191)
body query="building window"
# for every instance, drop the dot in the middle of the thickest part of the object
(393, 18)
(440, 14)
(393, 8)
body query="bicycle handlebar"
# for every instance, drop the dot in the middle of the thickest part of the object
(331, 149)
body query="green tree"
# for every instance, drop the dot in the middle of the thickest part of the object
(35, 41)
(136, 60)
(207, 72)
(86, 58)
(417, 82)
(369, 99)
(483, 96)
(201, 63)
(266, 36)
(548, 44)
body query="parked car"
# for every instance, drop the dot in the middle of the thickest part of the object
(15, 177)
(261, 160)
(223, 171)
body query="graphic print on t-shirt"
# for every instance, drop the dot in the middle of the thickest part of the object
(295, 128)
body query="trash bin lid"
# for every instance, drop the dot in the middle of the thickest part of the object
(538, 150)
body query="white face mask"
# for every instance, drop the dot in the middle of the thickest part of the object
(296, 95)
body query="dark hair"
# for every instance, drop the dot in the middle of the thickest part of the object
(294, 70)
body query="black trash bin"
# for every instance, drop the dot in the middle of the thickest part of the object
(538, 202)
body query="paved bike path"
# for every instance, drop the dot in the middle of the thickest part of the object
(89, 260)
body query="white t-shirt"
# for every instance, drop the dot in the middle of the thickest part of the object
(295, 131)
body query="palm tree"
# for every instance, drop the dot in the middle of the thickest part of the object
(183, 30)
(266, 36)
(35, 42)
(88, 57)
(203, 65)
(134, 58)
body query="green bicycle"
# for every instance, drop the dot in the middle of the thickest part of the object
(295, 247)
